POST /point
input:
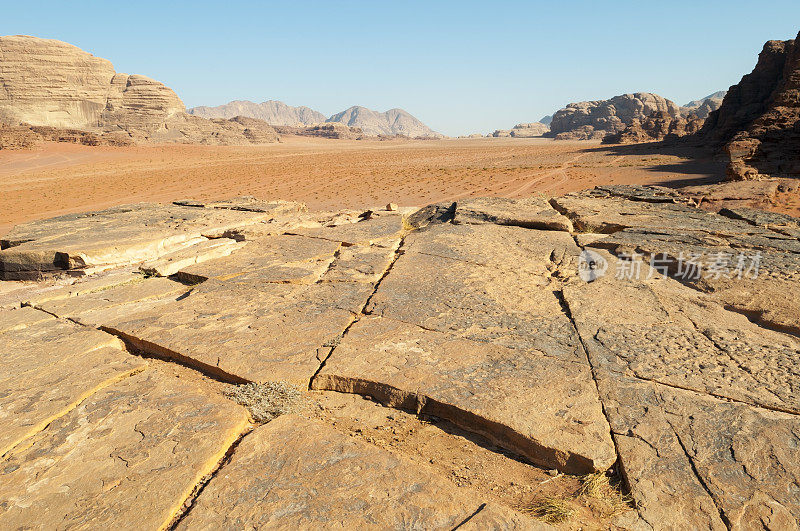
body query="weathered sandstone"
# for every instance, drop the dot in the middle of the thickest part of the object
(759, 119)
(339, 487)
(54, 84)
(128, 456)
(595, 119)
(560, 333)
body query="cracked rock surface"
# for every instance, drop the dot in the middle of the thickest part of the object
(469, 327)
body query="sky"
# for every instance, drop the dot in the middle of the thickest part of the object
(461, 67)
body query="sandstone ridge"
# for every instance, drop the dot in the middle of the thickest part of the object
(562, 337)
(54, 84)
(589, 120)
(758, 123)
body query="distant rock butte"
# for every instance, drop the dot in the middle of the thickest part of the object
(272, 112)
(588, 120)
(526, 130)
(758, 123)
(51, 83)
(324, 130)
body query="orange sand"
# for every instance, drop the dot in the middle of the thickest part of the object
(325, 174)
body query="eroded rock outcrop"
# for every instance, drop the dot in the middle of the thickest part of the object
(563, 333)
(595, 119)
(526, 130)
(324, 130)
(656, 127)
(759, 120)
(54, 84)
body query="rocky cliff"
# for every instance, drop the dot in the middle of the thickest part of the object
(658, 126)
(51, 83)
(272, 112)
(595, 119)
(704, 106)
(758, 122)
(390, 123)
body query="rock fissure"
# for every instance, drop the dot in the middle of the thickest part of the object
(357, 316)
(566, 309)
(188, 503)
(700, 478)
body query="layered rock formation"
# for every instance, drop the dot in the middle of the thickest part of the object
(26, 136)
(658, 126)
(272, 112)
(526, 130)
(704, 106)
(54, 84)
(759, 120)
(324, 130)
(390, 123)
(565, 334)
(595, 119)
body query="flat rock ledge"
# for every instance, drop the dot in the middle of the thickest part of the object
(564, 332)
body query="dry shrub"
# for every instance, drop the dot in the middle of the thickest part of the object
(266, 401)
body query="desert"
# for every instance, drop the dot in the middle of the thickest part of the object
(270, 315)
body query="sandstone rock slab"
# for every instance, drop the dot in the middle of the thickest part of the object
(128, 456)
(297, 473)
(661, 330)
(532, 213)
(19, 318)
(49, 367)
(543, 409)
(110, 238)
(248, 331)
(170, 264)
(360, 263)
(690, 391)
(380, 230)
(592, 213)
(278, 258)
(99, 308)
(512, 308)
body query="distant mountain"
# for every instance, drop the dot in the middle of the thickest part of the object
(704, 106)
(50, 84)
(272, 112)
(391, 122)
(372, 123)
(546, 119)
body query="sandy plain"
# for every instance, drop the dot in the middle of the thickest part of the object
(57, 179)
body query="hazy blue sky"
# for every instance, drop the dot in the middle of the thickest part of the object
(461, 67)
